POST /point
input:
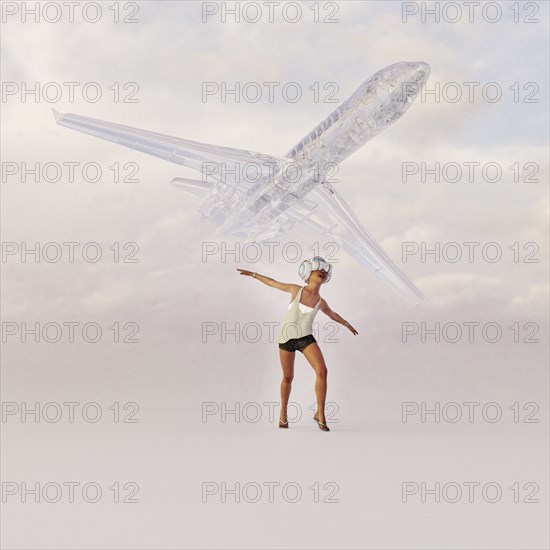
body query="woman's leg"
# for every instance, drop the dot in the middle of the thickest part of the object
(287, 362)
(317, 361)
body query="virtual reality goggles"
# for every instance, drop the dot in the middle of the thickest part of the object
(314, 264)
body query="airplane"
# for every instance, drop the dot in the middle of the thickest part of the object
(293, 189)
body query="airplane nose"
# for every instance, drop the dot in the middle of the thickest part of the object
(412, 78)
(421, 70)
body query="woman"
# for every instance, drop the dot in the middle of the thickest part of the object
(296, 333)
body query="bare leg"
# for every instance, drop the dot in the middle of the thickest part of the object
(287, 363)
(315, 357)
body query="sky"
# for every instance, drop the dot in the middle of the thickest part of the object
(175, 292)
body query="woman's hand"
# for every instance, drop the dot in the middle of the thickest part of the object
(245, 272)
(352, 329)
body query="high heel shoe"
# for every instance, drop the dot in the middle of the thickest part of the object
(283, 424)
(322, 426)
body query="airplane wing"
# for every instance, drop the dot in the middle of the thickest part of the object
(326, 212)
(173, 149)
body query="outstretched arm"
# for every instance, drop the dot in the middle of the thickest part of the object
(287, 287)
(324, 307)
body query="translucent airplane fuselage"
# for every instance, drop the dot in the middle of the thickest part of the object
(257, 213)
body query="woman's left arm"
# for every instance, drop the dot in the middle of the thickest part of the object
(324, 307)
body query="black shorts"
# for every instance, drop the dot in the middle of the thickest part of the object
(298, 343)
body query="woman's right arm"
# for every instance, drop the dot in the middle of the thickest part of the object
(286, 287)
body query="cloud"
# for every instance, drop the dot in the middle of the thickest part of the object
(534, 295)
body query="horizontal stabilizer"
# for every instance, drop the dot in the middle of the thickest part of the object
(197, 187)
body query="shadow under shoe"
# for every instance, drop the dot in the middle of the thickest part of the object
(322, 426)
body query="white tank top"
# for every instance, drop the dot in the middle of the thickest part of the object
(298, 321)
